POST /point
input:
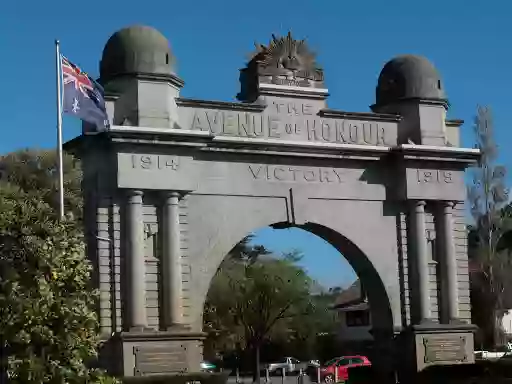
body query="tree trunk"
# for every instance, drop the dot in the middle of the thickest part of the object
(257, 371)
(497, 337)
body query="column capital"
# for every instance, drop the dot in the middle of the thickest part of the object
(447, 204)
(134, 192)
(419, 205)
(134, 196)
(171, 194)
(167, 196)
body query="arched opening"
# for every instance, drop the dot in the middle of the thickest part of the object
(326, 291)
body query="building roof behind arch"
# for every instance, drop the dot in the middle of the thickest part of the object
(353, 295)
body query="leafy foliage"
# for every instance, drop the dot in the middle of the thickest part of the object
(257, 300)
(249, 298)
(48, 325)
(487, 197)
(35, 172)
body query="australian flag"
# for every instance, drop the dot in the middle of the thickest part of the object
(82, 96)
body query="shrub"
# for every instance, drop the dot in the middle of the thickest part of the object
(48, 322)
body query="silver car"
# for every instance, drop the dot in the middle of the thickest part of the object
(290, 365)
(207, 366)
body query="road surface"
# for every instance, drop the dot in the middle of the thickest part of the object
(273, 380)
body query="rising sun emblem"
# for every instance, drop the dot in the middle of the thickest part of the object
(287, 54)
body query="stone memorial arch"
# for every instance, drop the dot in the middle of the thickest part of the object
(175, 183)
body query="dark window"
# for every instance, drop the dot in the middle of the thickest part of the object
(356, 360)
(343, 362)
(331, 362)
(167, 58)
(439, 84)
(358, 318)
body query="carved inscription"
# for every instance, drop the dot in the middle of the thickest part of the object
(434, 176)
(295, 174)
(294, 121)
(290, 82)
(159, 360)
(295, 109)
(445, 349)
(154, 162)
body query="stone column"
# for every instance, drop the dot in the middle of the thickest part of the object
(421, 259)
(136, 268)
(448, 259)
(171, 260)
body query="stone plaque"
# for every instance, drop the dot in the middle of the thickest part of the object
(435, 184)
(445, 349)
(155, 171)
(160, 360)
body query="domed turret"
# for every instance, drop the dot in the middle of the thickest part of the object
(409, 77)
(136, 50)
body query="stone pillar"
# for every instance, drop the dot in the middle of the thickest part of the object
(450, 290)
(421, 259)
(171, 261)
(136, 268)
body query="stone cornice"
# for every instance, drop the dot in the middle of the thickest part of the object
(454, 122)
(225, 105)
(159, 335)
(332, 113)
(435, 153)
(204, 141)
(290, 91)
(168, 78)
(111, 96)
(440, 102)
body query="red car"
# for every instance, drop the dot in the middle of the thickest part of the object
(337, 368)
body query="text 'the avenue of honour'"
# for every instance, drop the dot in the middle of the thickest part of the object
(311, 128)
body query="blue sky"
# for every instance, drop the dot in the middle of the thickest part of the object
(470, 43)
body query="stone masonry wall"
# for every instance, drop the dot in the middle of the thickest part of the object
(460, 236)
(108, 224)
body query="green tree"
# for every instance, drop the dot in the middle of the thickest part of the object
(487, 197)
(223, 333)
(314, 335)
(252, 300)
(35, 172)
(48, 323)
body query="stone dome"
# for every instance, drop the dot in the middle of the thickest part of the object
(409, 77)
(136, 50)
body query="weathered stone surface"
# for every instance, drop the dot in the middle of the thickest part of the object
(279, 158)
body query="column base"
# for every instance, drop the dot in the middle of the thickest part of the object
(457, 321)
(153, 352)
(428, 323)
(179, 328)
(140, 329)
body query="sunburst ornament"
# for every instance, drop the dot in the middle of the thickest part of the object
(284, 62)
(286, 53)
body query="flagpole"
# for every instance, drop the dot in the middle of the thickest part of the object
(59, 129)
